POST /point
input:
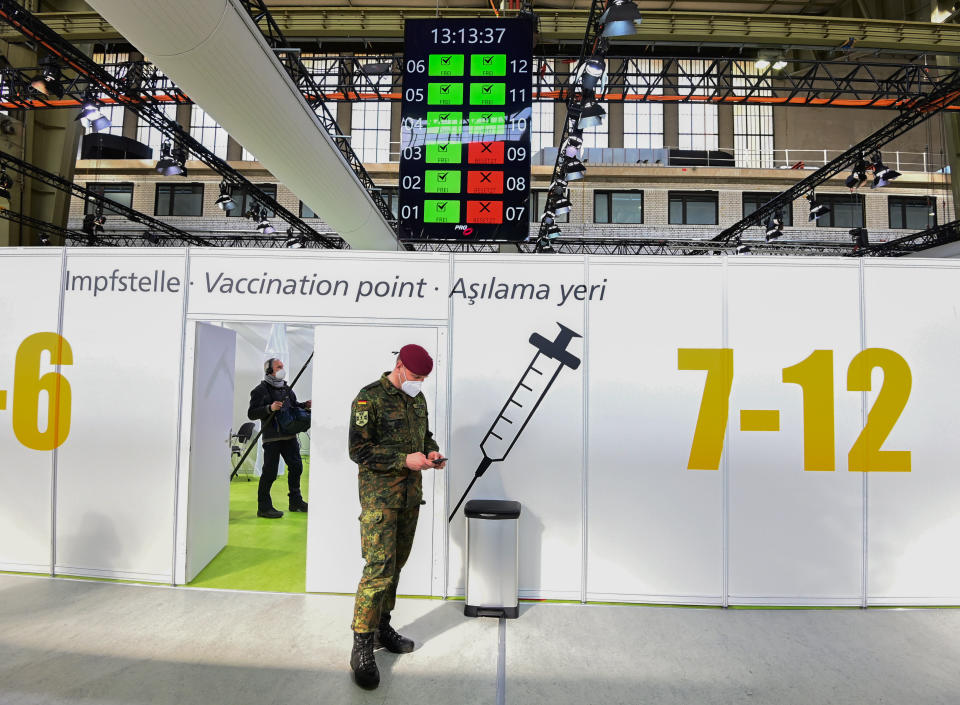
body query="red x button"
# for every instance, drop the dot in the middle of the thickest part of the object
(485, 153)
(485, 212)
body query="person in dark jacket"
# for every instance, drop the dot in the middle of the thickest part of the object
(268, 397)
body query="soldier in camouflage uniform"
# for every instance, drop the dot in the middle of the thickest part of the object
(390, 441)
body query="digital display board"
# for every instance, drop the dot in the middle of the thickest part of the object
(465, 130)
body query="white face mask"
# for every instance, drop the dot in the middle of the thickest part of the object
(281, 374)
(411, 388)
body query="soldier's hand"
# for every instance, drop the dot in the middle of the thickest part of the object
(418, 461)
(276, 406)
(432, 458)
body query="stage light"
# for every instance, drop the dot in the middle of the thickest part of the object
(591, 116)
(774, 226)
(151, 237)
(762, 64)
(817, 210)
(263, 225)
(572, 148)
(779, 65)
(742, 248)
(47, 82)
(543, 245)
(294, 243)
(44, 240)
(553, 231)
(858, 176)
(561, 205)
(171, 162)
(6, 183)
(620, 18)
(882, 174)
(573, 169)
(860, 237)
(559, 187)
(379, 68)
(225, 200)
(591, 75)
(91, 117)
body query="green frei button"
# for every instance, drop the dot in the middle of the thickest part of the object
(488, 94)
(447, 65)
(441, 211)
(445, 94)
(483, 122)
(444, 121)
(445, 153)
(488, 65)
(442, 181)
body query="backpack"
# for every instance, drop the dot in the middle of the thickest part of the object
(292, 419)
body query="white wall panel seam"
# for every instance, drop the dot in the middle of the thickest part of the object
(176, 471)
(55, 456)
(585, 452)
(725, 466)
(448, 431)
(865, 484)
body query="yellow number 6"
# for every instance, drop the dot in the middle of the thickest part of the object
(27, 386)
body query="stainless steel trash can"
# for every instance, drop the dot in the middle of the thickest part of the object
(492, 561)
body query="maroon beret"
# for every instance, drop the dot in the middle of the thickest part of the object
(416, 359)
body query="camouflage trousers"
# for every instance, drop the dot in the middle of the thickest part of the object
(386, 537)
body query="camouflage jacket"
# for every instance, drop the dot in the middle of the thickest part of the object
(385, 426)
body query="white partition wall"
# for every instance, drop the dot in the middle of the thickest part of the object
(123, 315)
(914, 517)
(795, 517)
(645, 509)
(29, 316)
(740, 430)
(351, 357)
(543, 471)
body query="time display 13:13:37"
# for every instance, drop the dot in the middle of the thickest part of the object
(468, 35)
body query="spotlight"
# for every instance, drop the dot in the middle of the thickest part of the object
(47, 82)
(559, 187)
(553, 231)
(620, 18)
(151, 237)
(561, 205)
(171, 160)
(591, 116)
(572, 147)
(44, 240)
(817, 210)
(779, 65)
(379, 68)
(860, 237)
(774, 226)
(858, 176)
(573, 169)
(225, 200)
(592, 74)
(294, 243)
(91, 117)
(548, 218)
(882, 174)
(742, 248)
(263, 225)
(543, 245)
(762, 64)
(6, 183)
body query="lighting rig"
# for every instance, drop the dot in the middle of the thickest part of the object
(613, 18)
(62, 52)
(946, 92)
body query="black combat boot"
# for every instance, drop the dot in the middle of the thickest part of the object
(364, 665)
(390, 640)
(298, 505)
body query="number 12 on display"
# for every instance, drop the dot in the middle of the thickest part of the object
(814, 376)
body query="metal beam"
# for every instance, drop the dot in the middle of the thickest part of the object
(362, 24)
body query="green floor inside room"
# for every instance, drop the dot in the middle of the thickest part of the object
(261, 554)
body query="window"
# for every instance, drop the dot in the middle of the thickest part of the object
(207, 131)
(846, 211)
(693, 208)
(325, 71)
(179, 199)
(752, 201)
(151, 136)
(538, 202)
(618, 206)
(245, 202)
(370, 120)
(752, 124)
(699, 127)
(912, 212)
(541, 133)
(643, 120)
(121, 193)
(110, 62)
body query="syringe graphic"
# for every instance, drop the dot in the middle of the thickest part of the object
(551, 357)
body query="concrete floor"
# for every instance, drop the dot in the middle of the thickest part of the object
(64, 641)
